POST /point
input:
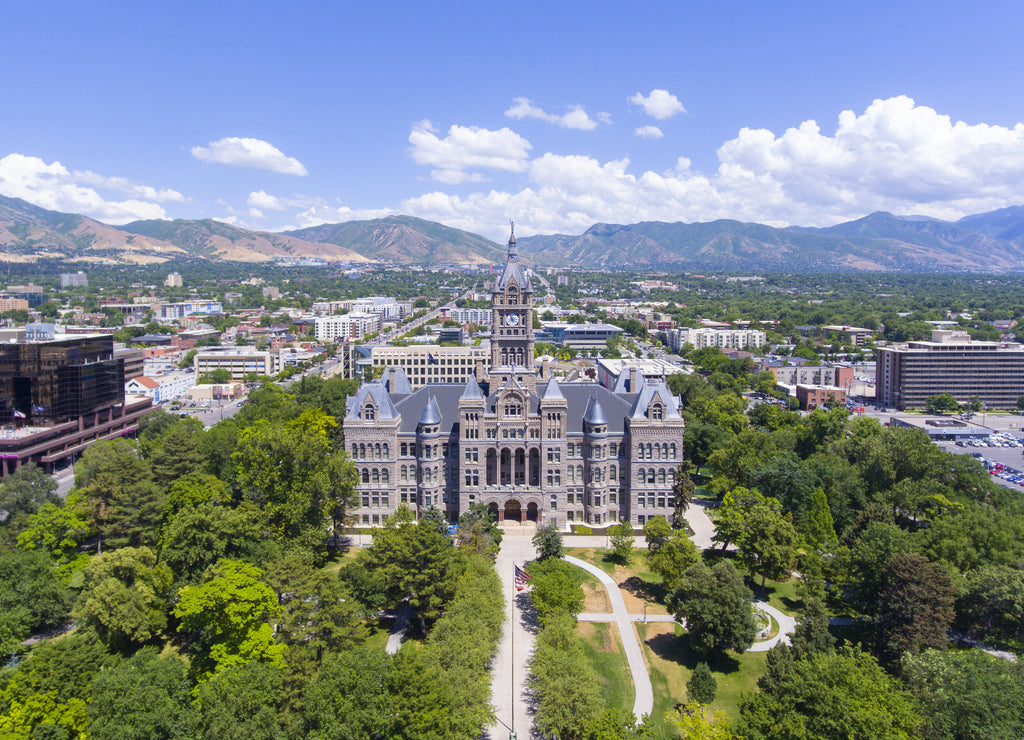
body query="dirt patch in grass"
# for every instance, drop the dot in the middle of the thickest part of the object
(595, 598)
(600, 635)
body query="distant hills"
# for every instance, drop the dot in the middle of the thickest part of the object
(406, 239)
(987, 242)
(990, 242)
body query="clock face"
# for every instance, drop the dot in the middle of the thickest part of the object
(512, 319)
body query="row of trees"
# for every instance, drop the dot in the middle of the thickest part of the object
(564, 685)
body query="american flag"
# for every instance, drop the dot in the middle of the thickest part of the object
(521, 577)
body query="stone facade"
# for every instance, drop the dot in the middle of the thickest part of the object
(524, 445)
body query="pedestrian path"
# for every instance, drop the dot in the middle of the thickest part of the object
(509, 670)
(643, 697)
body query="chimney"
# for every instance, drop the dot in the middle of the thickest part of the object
(632, 379)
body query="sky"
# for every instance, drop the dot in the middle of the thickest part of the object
(557, 115)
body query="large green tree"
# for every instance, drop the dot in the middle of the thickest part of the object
(419, 568)
(296, 474)
(716, 608)
(240, 703)
(229, 617)
(146, 697)
(915, 607)
(844, 694)
(119, 485)
(966, 694)
(125, 597)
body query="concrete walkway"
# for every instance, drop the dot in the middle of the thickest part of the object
(643, 697)
(510, 669)
(398, 627)
(787, 625)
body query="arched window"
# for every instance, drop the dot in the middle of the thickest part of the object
(366, 475)
(375, 476)
(404, 473)
(376, 451)
(641, 475)
(664, 450)
(362, 452)
(671, 477)
(384, 476)
(386, 451)
(650, 451)
(369, 413)
(661, 476)
(612, 473)
(672, 451)
(650, 476)
(657, 412)
(355, 450)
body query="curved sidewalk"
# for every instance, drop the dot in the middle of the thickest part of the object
(643, 701)
(643, 696)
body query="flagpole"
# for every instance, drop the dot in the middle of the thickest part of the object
(512, 734)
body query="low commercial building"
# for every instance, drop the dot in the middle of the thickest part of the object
(814, 375)
(161, 387)
(812, 397)
(347, 326)
(433, 363)
(856, 334)
(611, 373)
(215, 391)
(578, 336)
(907, 375)
(709, 337)
(239, 361)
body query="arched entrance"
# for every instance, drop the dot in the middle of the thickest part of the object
(513, 511)
(492, 511)
(531, 512)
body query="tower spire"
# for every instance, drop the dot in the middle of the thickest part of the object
(512, 241)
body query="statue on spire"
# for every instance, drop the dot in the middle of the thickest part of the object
(512, 240)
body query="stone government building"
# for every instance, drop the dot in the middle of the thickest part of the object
(522, 444)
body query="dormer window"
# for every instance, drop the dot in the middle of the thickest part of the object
(369, 412)
(657, 412)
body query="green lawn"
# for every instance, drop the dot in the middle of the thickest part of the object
(604, 651)
(672, 662)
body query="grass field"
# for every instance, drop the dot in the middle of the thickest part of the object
(666, 646)
(604, 650)
(671, 663)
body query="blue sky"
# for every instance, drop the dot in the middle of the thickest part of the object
(555, 114)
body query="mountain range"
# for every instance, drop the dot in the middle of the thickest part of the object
(987, 242)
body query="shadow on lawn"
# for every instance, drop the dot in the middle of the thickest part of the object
(676, 648)
(645, 590)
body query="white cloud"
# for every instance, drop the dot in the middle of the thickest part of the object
(128, 187)
(467, 148)
(53, 187)
(648, 132)
(895, 156)
(323, 213)
(252, 153)
(575, 118)
(660, 104)
(265, 201)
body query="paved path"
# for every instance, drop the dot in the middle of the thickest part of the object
(398, 628)
(787, 625)
(643, 698)
(509, 671)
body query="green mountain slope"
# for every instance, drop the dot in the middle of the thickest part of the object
(880, 241)
(405, 239)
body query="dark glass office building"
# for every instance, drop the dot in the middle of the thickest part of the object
(58, 380)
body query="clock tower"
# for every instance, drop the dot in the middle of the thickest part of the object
(512, 317)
